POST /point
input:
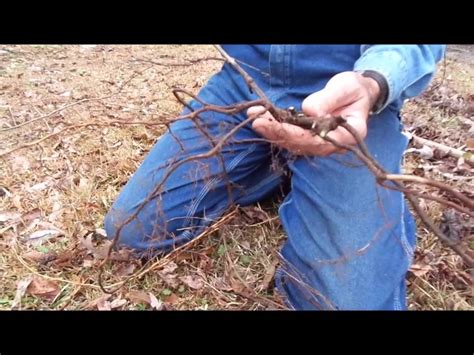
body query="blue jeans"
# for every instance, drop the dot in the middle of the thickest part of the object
(349, 242)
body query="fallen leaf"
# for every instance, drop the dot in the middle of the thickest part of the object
(172, 299)
(104, 305)
(88, 263)
(12, 216)
(269, 275)
(425, 152)
(255, 214)
(440, 154)
(95, 303)
(101, 232)
(48, 225)
(86, 47)
(102, 251)
(35, 68)
(41, 186)
(35, 256)
(125, 270)
(470, 143)
(31, 215)
(20, 163)
(46, 233)
(87, 243)
(119, 302)
(20, 291)
(99, 252)
(154, 303)
(420, 269)
(139, 297)
(194, 283)
(237, 285)
(245, 244)
(167, 277)
(462, 166)
(16, 200)
(4, 192)
(83, 183)
(43, 288)
(454, 226)
(169, 268)
(221, 284)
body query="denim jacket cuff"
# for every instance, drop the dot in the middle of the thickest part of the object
(392, 66)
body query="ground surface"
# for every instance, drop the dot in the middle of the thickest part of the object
(54, 195)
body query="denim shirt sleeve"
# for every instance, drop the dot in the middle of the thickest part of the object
(408, 69)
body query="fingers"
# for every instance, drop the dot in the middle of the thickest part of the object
(293, 138)
(327, 101)
(301, 141)
(342, 90)
(258, 110)
(276, 131)
(341, 135)
(319, 104)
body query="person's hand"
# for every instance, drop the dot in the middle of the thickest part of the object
(348, 94)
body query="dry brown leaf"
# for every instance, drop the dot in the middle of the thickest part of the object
(43, 288)
(169, 279)
(154, 303)
(20, 291)
(269, 275)
(35, 256)
(169, 268)
(93, 304)
(167, 276)
(255, 214)
(221, 284)
(246, 245)
(237, 285)
(102, 250)
(171, 299)
(16, 200)
(426, 152)
(138, 297)
(99, 252)
(88, 263)
(104, 305)
(20, 163)
(101, 232)
(43, 235)
(125, 270)
(192, 282)
(6, 216)
(117, 303)
(419, 269)
(31, 215)
(42, 185)
(4, 192)
(470, 143)
(87, 243)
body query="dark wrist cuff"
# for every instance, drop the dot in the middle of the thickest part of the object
(382, 82)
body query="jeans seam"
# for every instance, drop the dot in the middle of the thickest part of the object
(406, 245)
(262, 183)
(211, 183)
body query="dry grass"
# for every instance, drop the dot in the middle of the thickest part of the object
(68, 183)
